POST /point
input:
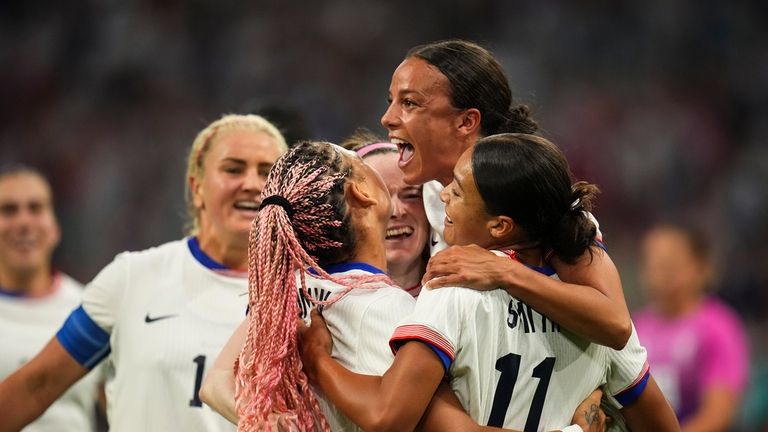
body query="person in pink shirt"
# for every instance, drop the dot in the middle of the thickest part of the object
(696, 344)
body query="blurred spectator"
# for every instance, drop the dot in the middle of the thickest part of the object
(35, 299)
(696, 344)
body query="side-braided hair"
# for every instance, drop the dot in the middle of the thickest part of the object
(271, 388)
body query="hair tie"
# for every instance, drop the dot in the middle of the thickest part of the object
(576, 205)
(364, 150)
(280, 201)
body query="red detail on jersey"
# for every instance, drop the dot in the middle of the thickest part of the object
(645, 371)
(421, 333)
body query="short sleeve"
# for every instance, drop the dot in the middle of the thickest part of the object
(379, 321)
(103, 295)
(436, 321)
(628, 371)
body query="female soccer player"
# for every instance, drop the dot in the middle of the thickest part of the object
(510, 365)
(35, 298)
(161, 315)
(408, 229)
(444, 97)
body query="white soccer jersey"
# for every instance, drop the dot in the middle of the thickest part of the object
(26, 326)
(513, 367)
(361, 323)
(435, 210)
(165, 312)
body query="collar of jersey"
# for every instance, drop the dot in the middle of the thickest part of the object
(345, 267)
(205, 260)
(55, 276)
(545, 270)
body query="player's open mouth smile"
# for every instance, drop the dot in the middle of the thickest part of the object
(247, 205)
(399, 232)
(406, 151)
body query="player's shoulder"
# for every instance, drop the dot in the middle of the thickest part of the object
(169, 250)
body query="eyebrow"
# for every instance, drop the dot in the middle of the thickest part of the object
(458, 183)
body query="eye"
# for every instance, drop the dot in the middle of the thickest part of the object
(232, 169)
(408, 103)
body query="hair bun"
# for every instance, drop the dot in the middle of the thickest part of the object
(520, 120)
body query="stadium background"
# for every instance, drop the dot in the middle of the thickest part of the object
(663, 104)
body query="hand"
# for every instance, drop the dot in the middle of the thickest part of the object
(589, 415)
(466, 266)
(314, 341)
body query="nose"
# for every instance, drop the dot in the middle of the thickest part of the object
(390, 120)
(398, 209)
(444, 194)
(254, 181)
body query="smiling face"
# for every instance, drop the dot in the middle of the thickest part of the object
(408, 228)
(466, 220)
(423, 122)
(228, 193)
(28, 229)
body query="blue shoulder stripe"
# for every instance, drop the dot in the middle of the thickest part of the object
(83, 339)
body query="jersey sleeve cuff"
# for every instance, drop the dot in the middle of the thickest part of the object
(83, 339)
(414, 332)
(634, 390)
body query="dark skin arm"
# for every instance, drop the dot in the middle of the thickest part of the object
(375, 403)
(28, 392)
(588, 300)
(445, 414)
(651, 411)
(381, 403)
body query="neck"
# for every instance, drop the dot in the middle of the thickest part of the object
(370, 248)
(528, 251)
(407, 275)
(465, 143)
(233, 255)
(34, 283)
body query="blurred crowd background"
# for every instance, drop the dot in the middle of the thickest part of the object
(661, 103)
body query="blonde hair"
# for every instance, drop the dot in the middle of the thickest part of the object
(202, 145)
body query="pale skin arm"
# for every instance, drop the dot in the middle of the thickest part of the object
(397, 400)
(651, 411)
(716, 412)
(218, 389)
(588, 300)
(28, 392)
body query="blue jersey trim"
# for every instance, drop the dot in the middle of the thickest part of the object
(347, 266)
(11, 294)
(545, 270)
(630, 395)
(83, 339)
(445, 359)
(202, 257)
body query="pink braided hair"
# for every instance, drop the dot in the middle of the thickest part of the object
(271, 390)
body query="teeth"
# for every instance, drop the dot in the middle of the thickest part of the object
(248, 205)
(395, 232)
(398, 141)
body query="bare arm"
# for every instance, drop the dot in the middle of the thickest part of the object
(218, 389)
(651, 411)
(445, 414)
(715, 412)
(28, 392)
(589, 299)
(392, 402)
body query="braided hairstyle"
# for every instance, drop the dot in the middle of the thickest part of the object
(307, 231)
(528, 179)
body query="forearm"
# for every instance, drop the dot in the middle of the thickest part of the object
(218, 389)
(395, 401)
(218, 392)
(587, 300)
(28, 392)
(581, 309)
